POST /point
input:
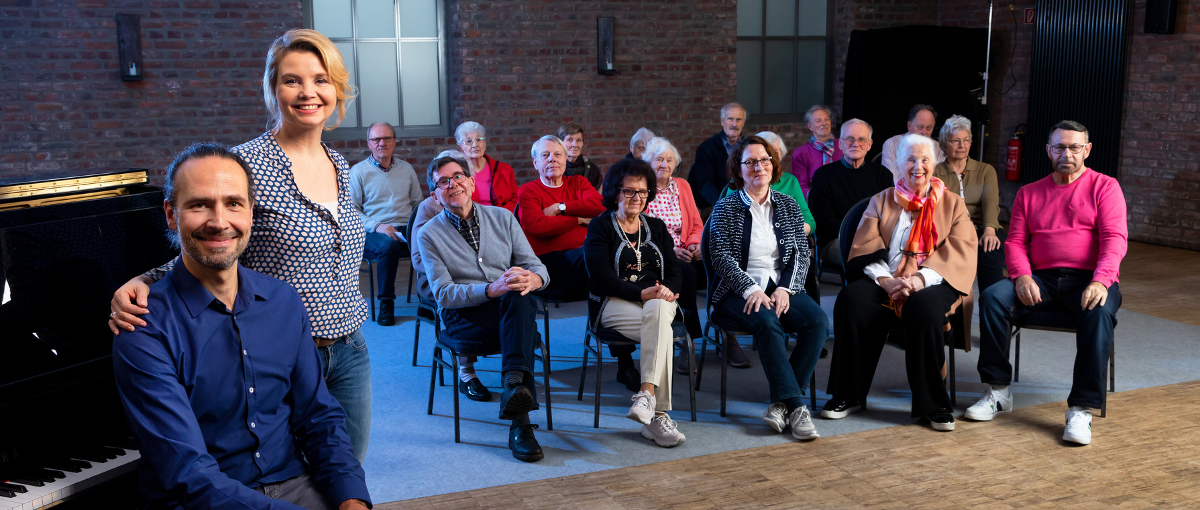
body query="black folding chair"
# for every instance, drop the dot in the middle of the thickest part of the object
(1062, 322)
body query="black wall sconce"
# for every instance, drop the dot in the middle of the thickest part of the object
(605, 40)
(129, 45)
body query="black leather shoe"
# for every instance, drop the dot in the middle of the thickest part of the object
(475, 390)
(387, 313)
(737, 358)
(524, 446)
(942, 420)
(630, 377)
(824, 353)
(839, 408)
(516, 400)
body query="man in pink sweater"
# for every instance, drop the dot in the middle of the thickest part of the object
(1065, 244)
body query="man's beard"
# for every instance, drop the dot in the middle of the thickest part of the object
(219, 258)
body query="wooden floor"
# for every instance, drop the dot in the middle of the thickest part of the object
(1137, 460)
(1163, 282)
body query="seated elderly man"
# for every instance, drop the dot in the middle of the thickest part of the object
(820, 150)
(1065, 244)
(222, 387)
(836, 187)
(708, 175)
(922, 118)
(481, 270)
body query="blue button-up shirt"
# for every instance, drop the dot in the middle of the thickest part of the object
(223, 401)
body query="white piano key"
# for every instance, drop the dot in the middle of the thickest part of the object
(72, 483)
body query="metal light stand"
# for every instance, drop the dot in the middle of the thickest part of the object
(986, 65)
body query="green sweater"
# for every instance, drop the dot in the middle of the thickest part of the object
(788, 185)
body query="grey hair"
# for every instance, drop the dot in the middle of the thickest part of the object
(642, 134)
(659, 145)
(729, 106)
(443, 159)
(813, 109)
(846, 125)
(904, 149)
(389, 126)
(775, 142)
(953, 125)
(469, 126)
(547, 138)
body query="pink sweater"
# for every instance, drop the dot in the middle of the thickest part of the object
(806, 160)
(1079, 225)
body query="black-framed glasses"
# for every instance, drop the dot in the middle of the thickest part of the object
(850, 141)
(382, 139)
(629, 193)
(1059, 149)
(444, 182)
(751, 163)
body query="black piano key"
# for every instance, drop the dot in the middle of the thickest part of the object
(7, 493)
(90, 457)
(29, 481)
(52, 474)
(13, 487)
(69, 465)
(112, 452)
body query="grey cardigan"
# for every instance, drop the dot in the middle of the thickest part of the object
(457, 275)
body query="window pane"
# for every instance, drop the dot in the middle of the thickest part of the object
(332, 18)
(377, 87)
(749, 75)
(781, 17)
(347, 51)
(749, 17)
(812, 17)
(779, 62)
(376, 18)
(419, 81)
(418, 18)
(810, 87)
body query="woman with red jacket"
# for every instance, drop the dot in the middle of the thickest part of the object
(495, 182)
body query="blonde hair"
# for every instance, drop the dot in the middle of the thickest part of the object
(302, 39)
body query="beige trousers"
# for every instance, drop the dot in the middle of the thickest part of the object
(649, 321)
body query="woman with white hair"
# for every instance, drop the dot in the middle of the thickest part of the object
(975, 182)
(495, 182)
(912, 258)
(788, 185)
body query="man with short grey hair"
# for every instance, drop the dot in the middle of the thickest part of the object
(708, 175)
(836, 187)
(384, 190)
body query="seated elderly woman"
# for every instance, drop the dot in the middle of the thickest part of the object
(760, 255)
(634, 279)
(495, 182)
(912, 258)
(975, 182)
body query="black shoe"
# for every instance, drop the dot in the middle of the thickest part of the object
(524, 446)
(475, 390)
(737, 358)
(942, 420)
(516, 400)
(824, 353)
(682, 362)
(387, 313)
(839, 408)
(630, 377)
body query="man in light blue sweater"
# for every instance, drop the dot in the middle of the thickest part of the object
(481, 270)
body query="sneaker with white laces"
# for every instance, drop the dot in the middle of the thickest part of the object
(1079, 425)
(991, 404)
(642, 410)
(802, 424)
(662, 430)
(776, 416)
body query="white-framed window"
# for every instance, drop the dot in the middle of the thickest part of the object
(395, 51)
(784, 56)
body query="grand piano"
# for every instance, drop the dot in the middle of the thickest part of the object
(67, 242)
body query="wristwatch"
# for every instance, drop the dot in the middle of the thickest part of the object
(562, 208)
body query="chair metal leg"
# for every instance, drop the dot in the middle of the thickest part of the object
(1112, 366)
(433, 378)
(812, 392)
(457, 432)
(416, 338)
(546, 328)
(725, 339)
(599, 376)
(1017, 367)
(587, 342)
(699, 362)
(408, 298)
(371, 285)
(546, 384)
(690, 345)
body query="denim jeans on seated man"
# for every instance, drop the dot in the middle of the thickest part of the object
(505, 323)
(786, 376)
(1061, 290)
(387, 251)
(347, 372)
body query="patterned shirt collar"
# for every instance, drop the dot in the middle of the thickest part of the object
(468, 228)
(379, 165)
(725, 141)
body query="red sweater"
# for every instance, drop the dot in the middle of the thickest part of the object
(504, 185)
(563, 231)
(1079, 226)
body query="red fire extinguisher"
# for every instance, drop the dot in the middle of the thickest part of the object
(1013, 165)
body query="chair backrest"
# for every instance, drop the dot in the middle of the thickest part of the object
(847, 230)
(708, 267)
(412, 218)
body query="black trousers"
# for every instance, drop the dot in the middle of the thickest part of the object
(990, 265)
(507, 322)
(861, 325)
(568, 272)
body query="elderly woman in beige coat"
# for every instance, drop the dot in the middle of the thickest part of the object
(911, 261)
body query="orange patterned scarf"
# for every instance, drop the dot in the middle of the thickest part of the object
(923, 235)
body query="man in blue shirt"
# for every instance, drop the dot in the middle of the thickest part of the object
(223, 387)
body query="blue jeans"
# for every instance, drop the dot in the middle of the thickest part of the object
(1061, 290)
(786, 376)
(347, 372)
(387, 253)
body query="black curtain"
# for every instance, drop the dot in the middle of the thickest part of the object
(890, 69)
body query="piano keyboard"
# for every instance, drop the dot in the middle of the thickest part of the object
(71, 484)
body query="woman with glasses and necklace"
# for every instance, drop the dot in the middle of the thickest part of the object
(975, 182)
(495, 182)
(634, 284)
(759, 254)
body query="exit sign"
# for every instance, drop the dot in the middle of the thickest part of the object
(1030, 13)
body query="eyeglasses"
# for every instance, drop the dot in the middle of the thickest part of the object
(959, 141)
(382, 139)
(629, 193)
(850, 141)
(751, 163)
(470, 141)
(444, 182)
(1059, 149)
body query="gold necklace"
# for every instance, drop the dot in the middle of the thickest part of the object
(636, 252)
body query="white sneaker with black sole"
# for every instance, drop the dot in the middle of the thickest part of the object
(992, 403)
(1079, 425)
(802, 424)
(776, 416)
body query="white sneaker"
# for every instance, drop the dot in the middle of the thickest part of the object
(1079, 425)
(776, 416)
(991, 404)
(802, 424)
(662, 431)
(642, 410)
